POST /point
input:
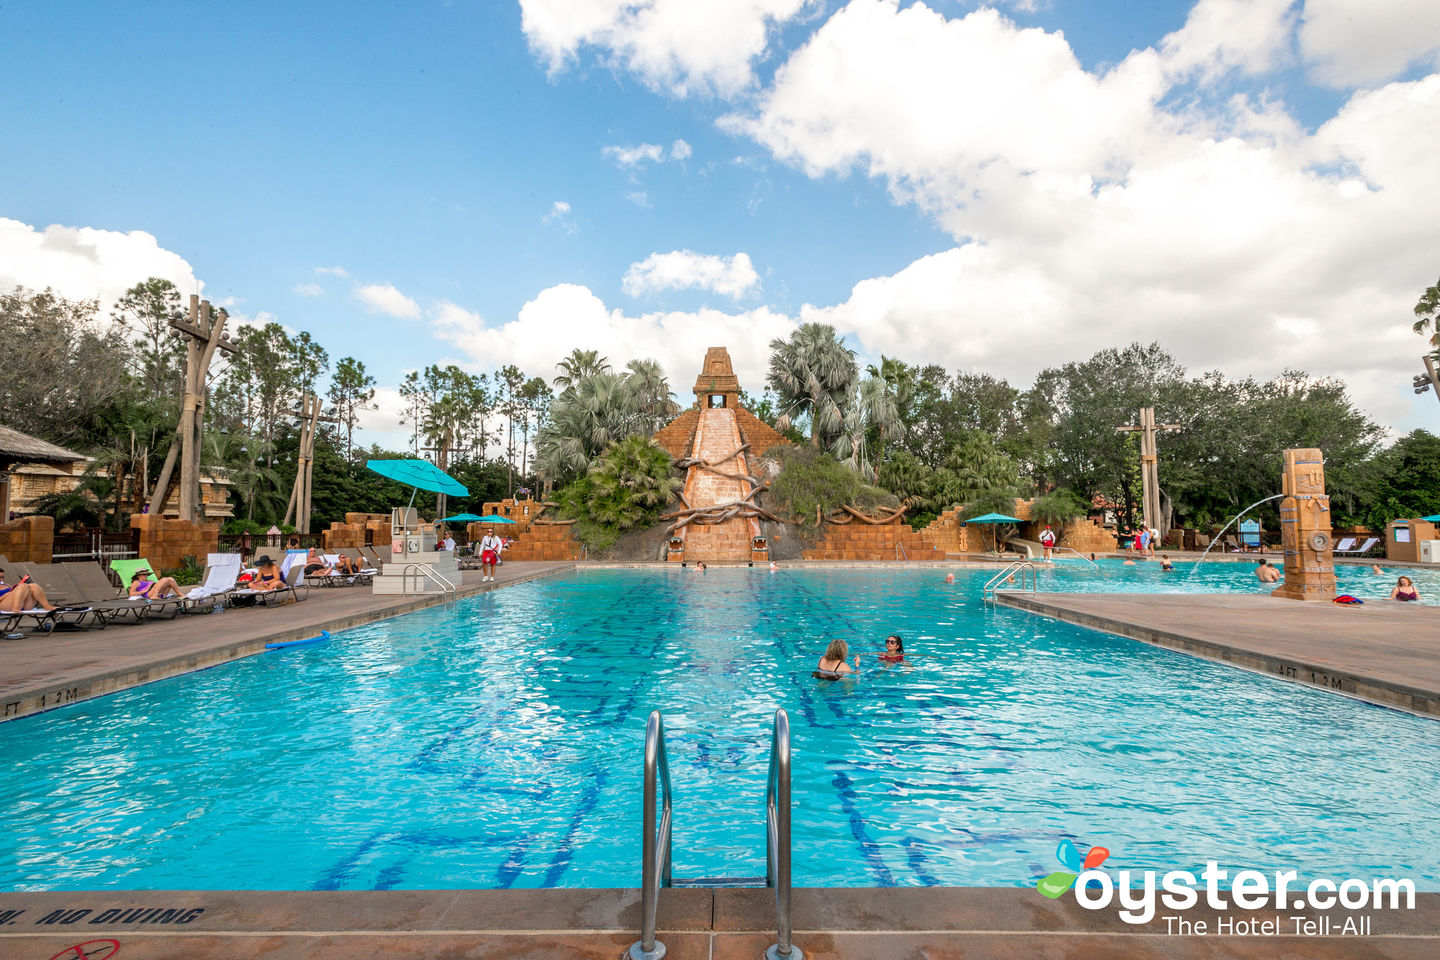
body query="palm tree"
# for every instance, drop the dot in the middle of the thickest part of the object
(869, 406)
(242, 458)
(585, 419)
(578, 366)
(631, 480)
(652, 394)
(899, 380)
(812, 373)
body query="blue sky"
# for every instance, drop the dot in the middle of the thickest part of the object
(946, 182)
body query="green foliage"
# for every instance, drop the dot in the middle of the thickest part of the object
(1058, 506)
(1404, 481)
(597, 408)
(190, 571)
(623, 489)
(812, 375)
(811, 478)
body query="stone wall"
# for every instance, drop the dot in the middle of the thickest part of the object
(166, 541)
(948, 532)
(873, 542)
(546, 541)
(28, 539)
(1088, 536)
(756, 432)
(344, 535)
(677, 435)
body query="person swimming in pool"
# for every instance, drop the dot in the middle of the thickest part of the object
(834, 660)
(1404, 590)
(894, 649)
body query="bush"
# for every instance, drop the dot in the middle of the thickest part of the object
(810, 478)
(189, 572)
(1057, 507)
(626, 487)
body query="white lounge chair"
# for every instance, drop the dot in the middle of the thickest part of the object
(1361, 550)
(222, 570)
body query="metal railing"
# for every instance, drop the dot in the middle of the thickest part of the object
(655, 845)
(777, 838)
(1024, 568)
(900, 552)
(417, 569)
(1078, 554)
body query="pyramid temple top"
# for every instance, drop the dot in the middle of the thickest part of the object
(717, 385)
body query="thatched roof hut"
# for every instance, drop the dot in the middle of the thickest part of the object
(17, 448)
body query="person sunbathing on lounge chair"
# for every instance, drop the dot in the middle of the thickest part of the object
(142, 586)
(315, 565)
(22, 596)
(267, 575)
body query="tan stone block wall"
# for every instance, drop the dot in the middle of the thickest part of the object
(552, 541)
(342, 535)
(1088, 536)
(948, 533)
(28, 539)
(874, 543)
(676, 436)
(165, 541)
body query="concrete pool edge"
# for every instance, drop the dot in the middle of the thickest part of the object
(1202, 639)
(693, 923)
(93, 678)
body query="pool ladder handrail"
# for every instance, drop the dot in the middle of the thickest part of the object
(655, 846)
(777, 838)
(1027, 572)
(1080, 555)
(901, 552)
(446, 587)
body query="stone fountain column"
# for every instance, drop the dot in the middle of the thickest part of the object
(1305, 529)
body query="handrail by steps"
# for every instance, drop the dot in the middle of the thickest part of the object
(446, 587)
(1025, 568)
(1080, 555)
(777, 838)
(655, 846)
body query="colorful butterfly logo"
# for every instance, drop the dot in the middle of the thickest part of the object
(1057, 883)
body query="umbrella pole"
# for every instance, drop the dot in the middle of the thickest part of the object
(413, 491)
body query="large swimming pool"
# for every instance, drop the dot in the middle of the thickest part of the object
(498, 744)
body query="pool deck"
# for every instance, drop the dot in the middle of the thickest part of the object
(42, 671)
(1384, 652)
(856, 924)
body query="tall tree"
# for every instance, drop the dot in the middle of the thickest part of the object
(352, 391)
(652, 395)
(145, 311)
(578, 366)
(510, 381)
(812, 374)
(535, 397)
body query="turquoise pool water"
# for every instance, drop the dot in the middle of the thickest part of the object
(498, 744)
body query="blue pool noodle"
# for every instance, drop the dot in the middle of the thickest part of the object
(286, 644)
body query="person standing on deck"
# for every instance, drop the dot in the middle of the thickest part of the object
(1047, 540)
(489, 555)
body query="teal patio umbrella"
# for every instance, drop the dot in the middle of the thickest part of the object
(461, 518)
(1433, 518)
(994, 518)
(492, 518)
(420, 474)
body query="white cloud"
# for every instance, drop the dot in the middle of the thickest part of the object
(640, 198)
(687, 270)
(384, 298)
(634, 156)
(83, 263)
(308, 289)
(569, 316)
(1353, 42)
(1222, 35)
(640, 154)
(674, 45)
(560, 215)
(340, 272)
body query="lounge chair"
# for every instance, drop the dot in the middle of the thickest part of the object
(373, 556)
(126, 570)
(71, 608)
(294, 580)
(95, 589)
(222, 570)
(1361, 550)
(1345, 545)
(367, 569)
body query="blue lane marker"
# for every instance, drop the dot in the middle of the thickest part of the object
(860, 827)
(566, 851)
(308, 641)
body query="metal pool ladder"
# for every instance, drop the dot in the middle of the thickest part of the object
(655, 845)
(418, 570)
(1024, 568)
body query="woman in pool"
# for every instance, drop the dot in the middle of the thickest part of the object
(1404, 590)
(142, 586)
(894, 649)
(834, 659)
